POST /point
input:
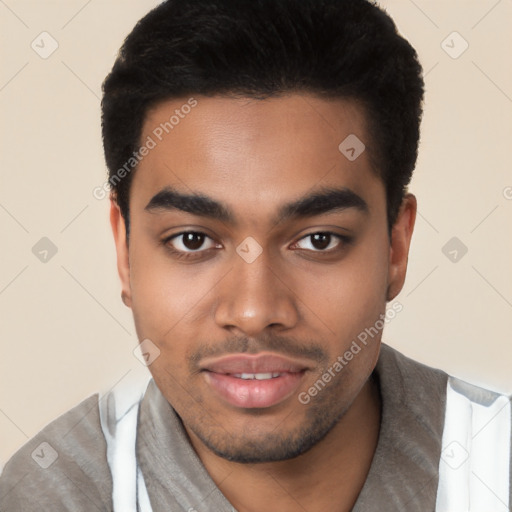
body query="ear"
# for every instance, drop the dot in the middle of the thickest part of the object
(123, 264)
(401, 235)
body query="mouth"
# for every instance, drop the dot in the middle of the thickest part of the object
(254, 381)
(256, 376)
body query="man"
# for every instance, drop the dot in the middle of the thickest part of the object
(259, 155)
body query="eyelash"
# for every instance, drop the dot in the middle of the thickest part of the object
(343, 241)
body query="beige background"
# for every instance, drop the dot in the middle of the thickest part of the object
(64, 331)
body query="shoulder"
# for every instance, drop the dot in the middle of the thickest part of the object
(416, 382)
(63, 467)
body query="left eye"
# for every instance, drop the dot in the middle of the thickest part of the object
(319, 242)
(191, 241)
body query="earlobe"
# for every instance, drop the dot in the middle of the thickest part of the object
(123, 264)
(401, 235)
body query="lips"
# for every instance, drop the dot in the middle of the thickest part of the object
(247, 363)
(253, 381)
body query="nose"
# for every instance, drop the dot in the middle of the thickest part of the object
(255, 296)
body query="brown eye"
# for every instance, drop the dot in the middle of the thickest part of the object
(193, 241)
(190, 241)
(320, 242)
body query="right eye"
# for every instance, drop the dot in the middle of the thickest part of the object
(190, 242)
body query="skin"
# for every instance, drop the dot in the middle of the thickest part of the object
(296, 298)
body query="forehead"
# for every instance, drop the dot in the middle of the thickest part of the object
(251, 151)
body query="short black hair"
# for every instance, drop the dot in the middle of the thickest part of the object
(347, 49)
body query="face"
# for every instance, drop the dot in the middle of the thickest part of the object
(258, 253)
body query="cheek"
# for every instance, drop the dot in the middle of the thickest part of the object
(351, 297)
(162, 296)
(351, 294)
(171, 306)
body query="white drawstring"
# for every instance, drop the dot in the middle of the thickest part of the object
(119, 411)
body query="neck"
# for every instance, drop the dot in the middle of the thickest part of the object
(329, 476)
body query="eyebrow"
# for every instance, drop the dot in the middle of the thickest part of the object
(325, 200)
